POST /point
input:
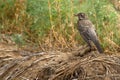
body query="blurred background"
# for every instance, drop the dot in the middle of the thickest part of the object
(51, 25)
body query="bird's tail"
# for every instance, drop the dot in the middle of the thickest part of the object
(97, 44)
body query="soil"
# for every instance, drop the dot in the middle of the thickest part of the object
(16, 64)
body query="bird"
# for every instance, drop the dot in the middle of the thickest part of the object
(87, 31)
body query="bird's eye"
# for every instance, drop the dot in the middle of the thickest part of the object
(82, 14)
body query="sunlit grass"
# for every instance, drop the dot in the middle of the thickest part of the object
(50, 24)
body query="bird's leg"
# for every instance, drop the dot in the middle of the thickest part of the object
(89, 45)
(92, 46)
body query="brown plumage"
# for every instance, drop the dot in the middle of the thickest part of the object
(87, 31)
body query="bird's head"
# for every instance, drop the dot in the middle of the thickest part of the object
(81, 16)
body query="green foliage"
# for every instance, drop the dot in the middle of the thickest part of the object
(18, 39)
(51, 22)
(38, 9)
(6, 12)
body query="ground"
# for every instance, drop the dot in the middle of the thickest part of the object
(17, 64)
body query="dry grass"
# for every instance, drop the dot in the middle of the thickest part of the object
(61, 33)
(56, 65)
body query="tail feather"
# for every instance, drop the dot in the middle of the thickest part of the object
(99, 48)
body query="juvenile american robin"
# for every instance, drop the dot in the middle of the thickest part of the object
(87, 31)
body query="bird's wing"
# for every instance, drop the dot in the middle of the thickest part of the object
(88, 30)
(92, 33)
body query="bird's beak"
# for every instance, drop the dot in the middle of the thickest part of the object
(75, 14)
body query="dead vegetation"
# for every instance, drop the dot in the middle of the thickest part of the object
(56, 65)
(116, 4)
(28, 64)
